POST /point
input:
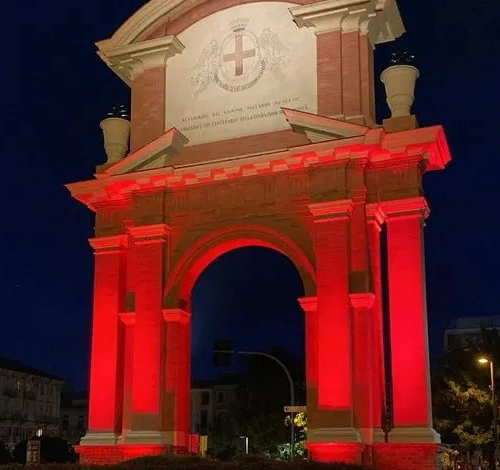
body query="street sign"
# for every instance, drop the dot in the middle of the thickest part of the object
(295, 409)
(33, 452)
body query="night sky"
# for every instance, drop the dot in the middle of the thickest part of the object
(54, 92)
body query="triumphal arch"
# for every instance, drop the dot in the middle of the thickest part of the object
(253, 123)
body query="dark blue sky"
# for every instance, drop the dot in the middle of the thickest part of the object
(55, 91)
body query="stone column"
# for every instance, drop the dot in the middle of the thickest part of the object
(177, 378)
(332, 436)
(408, 319)
(374, 221)
(105, 405)
(143, 66)
(150, 254)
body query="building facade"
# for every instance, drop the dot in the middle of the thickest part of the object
(465, 332)
(210, 401)
(30, 400)
(74, 416)
(253, 124)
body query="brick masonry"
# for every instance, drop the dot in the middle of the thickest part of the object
(148, 107)
(406, 456)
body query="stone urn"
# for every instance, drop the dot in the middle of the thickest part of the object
(399, 82)
(116, 132)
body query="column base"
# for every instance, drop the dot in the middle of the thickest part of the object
(99, 439)
(378, 435)
(341, 452)
(145, 438)
(414, 435)
(406, 456)
(325, 435)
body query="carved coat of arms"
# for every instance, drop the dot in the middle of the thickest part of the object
(239, 61)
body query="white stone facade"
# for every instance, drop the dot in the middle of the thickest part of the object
(29, 401)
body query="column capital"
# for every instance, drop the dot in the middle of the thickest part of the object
(309, 304)
(149, 233)
(108, 245)
(331, 210)
(411, 207)
(362, 300)
(176, 315)
(133, 59)
(378, 18)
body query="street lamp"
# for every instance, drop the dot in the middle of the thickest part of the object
(246, 443)
(483, 360)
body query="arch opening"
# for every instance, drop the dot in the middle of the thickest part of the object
(247, 295)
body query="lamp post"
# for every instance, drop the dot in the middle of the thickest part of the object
(246, 443)
(485, 360)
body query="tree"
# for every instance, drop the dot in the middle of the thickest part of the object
(462, 397)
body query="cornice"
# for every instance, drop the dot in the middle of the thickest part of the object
(374, 214)
(156, 232)
(362, 300)
(331, 210)
(411, 207)
(128, 61)
(379, 19)
(108, 245)
(309, 304)
(380, 149)
(139, 22)
(176, 315)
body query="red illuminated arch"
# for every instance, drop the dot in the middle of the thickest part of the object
(205, 250)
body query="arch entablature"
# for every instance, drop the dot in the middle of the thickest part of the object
(207, 248)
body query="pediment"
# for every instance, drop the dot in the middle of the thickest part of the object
(152, 19)
(156, 154)
(321, 128)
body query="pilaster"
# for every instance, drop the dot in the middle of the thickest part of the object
(177, 377)
(148, 281)
(106, 373)
(334, 421)
(374, 220)
(128, 322)
(408, 319)
(361, 304)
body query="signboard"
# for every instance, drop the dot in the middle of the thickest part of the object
(33, 450)
(240, 66)
(295, 409)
